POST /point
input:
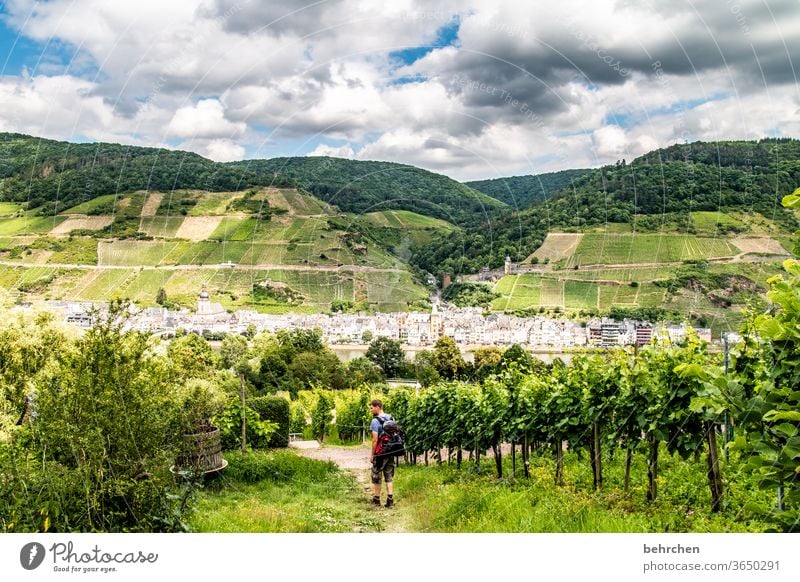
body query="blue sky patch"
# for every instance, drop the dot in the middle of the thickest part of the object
(627, 119)
(16, 51)
(447, 35)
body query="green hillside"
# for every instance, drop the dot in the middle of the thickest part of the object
(520, 192)
(269, 249)
(363, 187)
(658, 192)
(52, 175)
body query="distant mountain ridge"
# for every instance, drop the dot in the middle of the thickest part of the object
(521, 192)
(369, 186)
(52, 176)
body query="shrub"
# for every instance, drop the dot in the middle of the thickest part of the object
(277, 466)
(103, 431)
(274, 409)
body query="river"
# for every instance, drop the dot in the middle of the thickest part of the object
(347, 352)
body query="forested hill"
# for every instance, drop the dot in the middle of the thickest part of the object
(742, 175)
(520, 192)
(363, 186)
(54, 175)
(661, 187)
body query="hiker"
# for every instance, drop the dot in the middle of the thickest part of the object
(380, 465)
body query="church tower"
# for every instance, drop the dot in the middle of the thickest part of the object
(203, 302)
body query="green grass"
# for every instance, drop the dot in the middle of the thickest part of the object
(235, 229)
(279, 491)
(144, 287)
(29, 224)
(198, 253)
(518, 292)
(304, 204)
(126, 253)
(48, 282)
(213, 203)
(552, 292)
(506, 284)
(9, 208)
(580, 295)
(445, 499)
(87, 207)
(716, 223)
(625, 275)
(405, 219)
(385, 288)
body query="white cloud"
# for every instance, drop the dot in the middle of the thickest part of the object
(223, 150)
(544, 86)
(206, 119)
(345, 151)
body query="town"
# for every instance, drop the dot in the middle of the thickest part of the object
(467, 326)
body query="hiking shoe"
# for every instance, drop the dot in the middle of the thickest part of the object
(376, 501)
(389, 503)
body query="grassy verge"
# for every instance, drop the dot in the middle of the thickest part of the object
(281, 492)
(445, 499)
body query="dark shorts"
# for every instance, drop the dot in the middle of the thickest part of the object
(383, 466)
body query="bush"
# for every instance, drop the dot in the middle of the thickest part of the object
(103, 431)
(258, 432)
(278, 466)
(275, 409)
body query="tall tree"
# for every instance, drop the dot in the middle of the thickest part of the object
(387, 354)
(447, 358)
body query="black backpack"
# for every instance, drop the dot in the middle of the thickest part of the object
(392, 442)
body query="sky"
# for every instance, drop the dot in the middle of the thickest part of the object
(471, 89)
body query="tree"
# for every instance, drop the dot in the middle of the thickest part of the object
(273, 371)
(27, 345)
(107, 426)
(318, 369)
(363, 371)
(424, 368)
(297, 341)
(321, 416)
(232, 350)
(486, 361)
(518, 355)
(447, 358)
(161, 297)
(192, 356)
(387, 354)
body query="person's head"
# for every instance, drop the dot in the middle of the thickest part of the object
(376, 407)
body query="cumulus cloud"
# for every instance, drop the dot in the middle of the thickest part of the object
(205, 119)
(345, 151)
(222, 150)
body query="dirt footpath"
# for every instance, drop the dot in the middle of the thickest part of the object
(355, 460)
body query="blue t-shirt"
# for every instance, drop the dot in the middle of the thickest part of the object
(376, 426)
